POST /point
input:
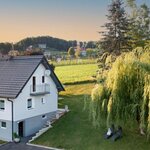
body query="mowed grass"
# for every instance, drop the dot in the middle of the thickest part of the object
(2, 142)
(76, 73)
(74, 131)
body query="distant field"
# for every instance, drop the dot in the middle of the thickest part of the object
(74, 62)
(76, 73)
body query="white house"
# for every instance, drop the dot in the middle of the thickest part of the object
(28, 95)
(42, 46)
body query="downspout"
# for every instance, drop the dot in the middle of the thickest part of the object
(12, 116)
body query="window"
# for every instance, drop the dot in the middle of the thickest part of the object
(34, 84)
(29, 103)
(3, 124)
(2, 105)
(43, 79)
(43, 101)
(44, 117)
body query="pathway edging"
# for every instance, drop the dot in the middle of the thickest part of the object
(4, 144)
(41, 146)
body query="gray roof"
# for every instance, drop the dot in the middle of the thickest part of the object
(15, 73)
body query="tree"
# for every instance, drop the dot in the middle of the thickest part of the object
(91, 44)
(57, 44)
(71, 52)
(131, 3)
(13, 53)
(115, 39)
(33, 51)
(91, 52)
(78, 53)
(140, 27)
(81, 44)
(73, 43)
(124, 95)
(5, 47)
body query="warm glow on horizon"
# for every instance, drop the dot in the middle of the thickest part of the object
(66, 19)
(83, 32)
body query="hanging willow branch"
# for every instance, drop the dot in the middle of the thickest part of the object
(125, 95)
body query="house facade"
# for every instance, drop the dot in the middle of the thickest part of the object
(28, 95)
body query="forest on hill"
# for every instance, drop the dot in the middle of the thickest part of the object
(51, 42)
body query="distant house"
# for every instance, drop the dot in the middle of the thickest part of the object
(83, 52)
(47, 53)
(28, 95)
(42, 46)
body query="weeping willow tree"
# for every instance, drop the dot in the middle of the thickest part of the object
(125, 94)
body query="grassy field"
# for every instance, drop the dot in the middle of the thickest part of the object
(74, 131)
(76, 73)
(74, 62)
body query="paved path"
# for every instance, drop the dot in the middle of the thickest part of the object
(19, 146)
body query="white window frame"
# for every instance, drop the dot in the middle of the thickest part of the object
(28, 103)
(43, 101)
(43, 79)
(44, 116)
(2, 109)
(2, 126)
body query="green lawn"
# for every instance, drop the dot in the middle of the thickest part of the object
(74, 131)
(76, 73)
(2, 142)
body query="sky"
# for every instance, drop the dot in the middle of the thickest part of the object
(66, 19)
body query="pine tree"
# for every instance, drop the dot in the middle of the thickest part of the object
(115, 38)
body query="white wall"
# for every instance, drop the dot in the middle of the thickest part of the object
(6, 114)
(20, 103)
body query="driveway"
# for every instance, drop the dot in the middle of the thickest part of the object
(20, 146)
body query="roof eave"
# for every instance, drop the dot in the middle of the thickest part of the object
(55, 76)
(8, 97)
